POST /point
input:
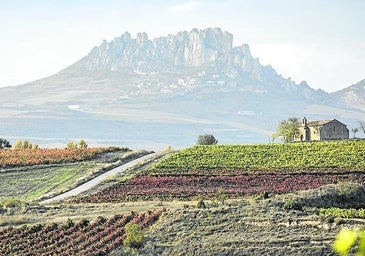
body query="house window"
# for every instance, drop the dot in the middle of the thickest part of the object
(334, 128)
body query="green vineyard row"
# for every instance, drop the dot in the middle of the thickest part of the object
(347, 155)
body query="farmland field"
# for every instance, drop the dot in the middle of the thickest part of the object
(29, 183)
(296, 157)
(278, 199)
(239, 170)
(99, 237)
(185, 187)
(27, 157)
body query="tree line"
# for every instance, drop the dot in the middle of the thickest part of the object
(25, 144)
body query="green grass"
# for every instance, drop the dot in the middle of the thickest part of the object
(29, 185)
(293, 156)
(240, 227)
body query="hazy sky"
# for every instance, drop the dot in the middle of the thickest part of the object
(319, 41)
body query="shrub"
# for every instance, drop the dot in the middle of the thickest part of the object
(221, 196)
(292, 205)
(348, 239)
(201, 204)
(206, 139)
(11, 203)
(4, 144)
(134, 236)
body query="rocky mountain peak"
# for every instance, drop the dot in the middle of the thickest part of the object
(210, 49)
(185, 49)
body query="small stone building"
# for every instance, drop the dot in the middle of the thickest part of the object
(322, 130)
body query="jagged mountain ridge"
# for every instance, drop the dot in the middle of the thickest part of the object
(171, 54)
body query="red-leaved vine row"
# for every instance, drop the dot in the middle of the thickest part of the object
(183, 187)
(98, 237)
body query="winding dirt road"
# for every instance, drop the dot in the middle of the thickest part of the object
(95, 181)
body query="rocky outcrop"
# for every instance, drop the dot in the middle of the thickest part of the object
(184, 49)
(211, 48)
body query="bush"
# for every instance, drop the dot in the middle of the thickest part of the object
(134, 236)
(4, 144)
(348, 239)
(207, 139)
(292, 205)
(11, 203)
(201, 204)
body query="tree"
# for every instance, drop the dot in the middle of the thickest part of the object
(71, 145)
(362, 126)
(4, 143)
(26, 144)
(354, 130)
(287, 129)
(81, 144)
(206, 139)
(18, 144)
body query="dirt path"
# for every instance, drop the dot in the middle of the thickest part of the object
(91, 183)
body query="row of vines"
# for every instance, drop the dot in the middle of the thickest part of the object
(98, 237)
(188, 187)
(294, 156)
(343, 213)
(25, 157)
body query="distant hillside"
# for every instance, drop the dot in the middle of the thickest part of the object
(353, 96)
(166, 90)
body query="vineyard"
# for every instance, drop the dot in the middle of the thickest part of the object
(189, 187)
(291, 157)
(278, 199)
(98, 237)
(26, 157)
(239, 170)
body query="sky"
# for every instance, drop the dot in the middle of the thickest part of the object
(321, 42)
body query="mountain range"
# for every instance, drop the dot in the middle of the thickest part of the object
(167, 91)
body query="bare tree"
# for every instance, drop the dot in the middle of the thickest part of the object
(362, 126)
(355, 130)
